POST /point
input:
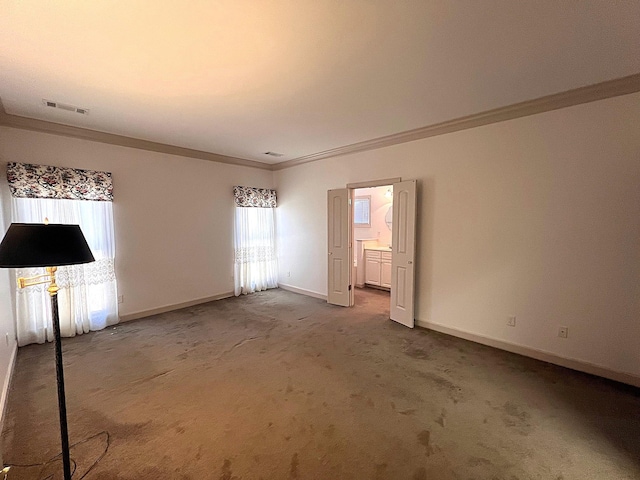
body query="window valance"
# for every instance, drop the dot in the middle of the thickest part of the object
(44, 181)
(254, 197)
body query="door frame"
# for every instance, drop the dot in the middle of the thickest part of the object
(374, 183)
(351, 187)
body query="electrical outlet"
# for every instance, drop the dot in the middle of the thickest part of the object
(120, 298)
(563, 332)
(512, 321)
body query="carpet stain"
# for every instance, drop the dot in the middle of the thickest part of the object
(293, 471)
(410, 411)
(454, 392)
(330, 431)
(415, 352)
(515, 417)
(514, 410)
(442, 419)
(225, 472)
(476, 461)
(152, 377)
(420, 474)
(424, 439)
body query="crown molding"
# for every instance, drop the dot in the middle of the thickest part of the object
(25, 123)
(569, 98)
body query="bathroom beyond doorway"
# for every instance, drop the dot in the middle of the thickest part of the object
(372, 221)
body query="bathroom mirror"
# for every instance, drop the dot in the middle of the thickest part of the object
(388, 218)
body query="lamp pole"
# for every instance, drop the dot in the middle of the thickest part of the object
(62, 404)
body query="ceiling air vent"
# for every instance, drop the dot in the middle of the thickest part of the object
(274, 154)
(64, 106)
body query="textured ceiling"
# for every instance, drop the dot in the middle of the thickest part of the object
(240, 78)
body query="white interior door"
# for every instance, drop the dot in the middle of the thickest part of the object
(339, 290)
(403, 243)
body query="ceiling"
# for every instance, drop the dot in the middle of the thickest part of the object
(298, 77)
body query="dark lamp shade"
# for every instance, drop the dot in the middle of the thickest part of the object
(39, 245)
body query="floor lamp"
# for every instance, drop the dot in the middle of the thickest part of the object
(50, 246)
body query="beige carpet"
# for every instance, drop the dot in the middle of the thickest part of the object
(281, 386)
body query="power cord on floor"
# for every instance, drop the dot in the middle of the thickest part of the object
(6, 469)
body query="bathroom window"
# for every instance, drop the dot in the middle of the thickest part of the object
(362, 211)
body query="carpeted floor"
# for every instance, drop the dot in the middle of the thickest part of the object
(282, 386)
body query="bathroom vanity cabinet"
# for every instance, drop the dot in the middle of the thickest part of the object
(377, 267)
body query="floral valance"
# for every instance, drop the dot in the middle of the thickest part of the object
(44, 181)
(254, 197)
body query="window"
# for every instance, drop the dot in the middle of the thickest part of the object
(256, 266)
(88, 294)
(87, 297)
(362, 211)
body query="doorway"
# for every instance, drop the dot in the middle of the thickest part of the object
(340, 255)
(372, 220)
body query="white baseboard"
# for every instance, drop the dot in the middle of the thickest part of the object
(308, 293)
(545, 356)
(175, 306)
(7, 384)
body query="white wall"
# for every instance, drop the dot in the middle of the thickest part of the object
(379, 207)
(173, 215)
(8, 344)
(537, 217)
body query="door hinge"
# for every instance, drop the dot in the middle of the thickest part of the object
(349, 287)
(349, 201)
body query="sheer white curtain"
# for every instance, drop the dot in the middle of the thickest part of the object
(88, 296)
(256, 266)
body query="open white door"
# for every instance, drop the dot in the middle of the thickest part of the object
(403, 243)
(339, 290)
